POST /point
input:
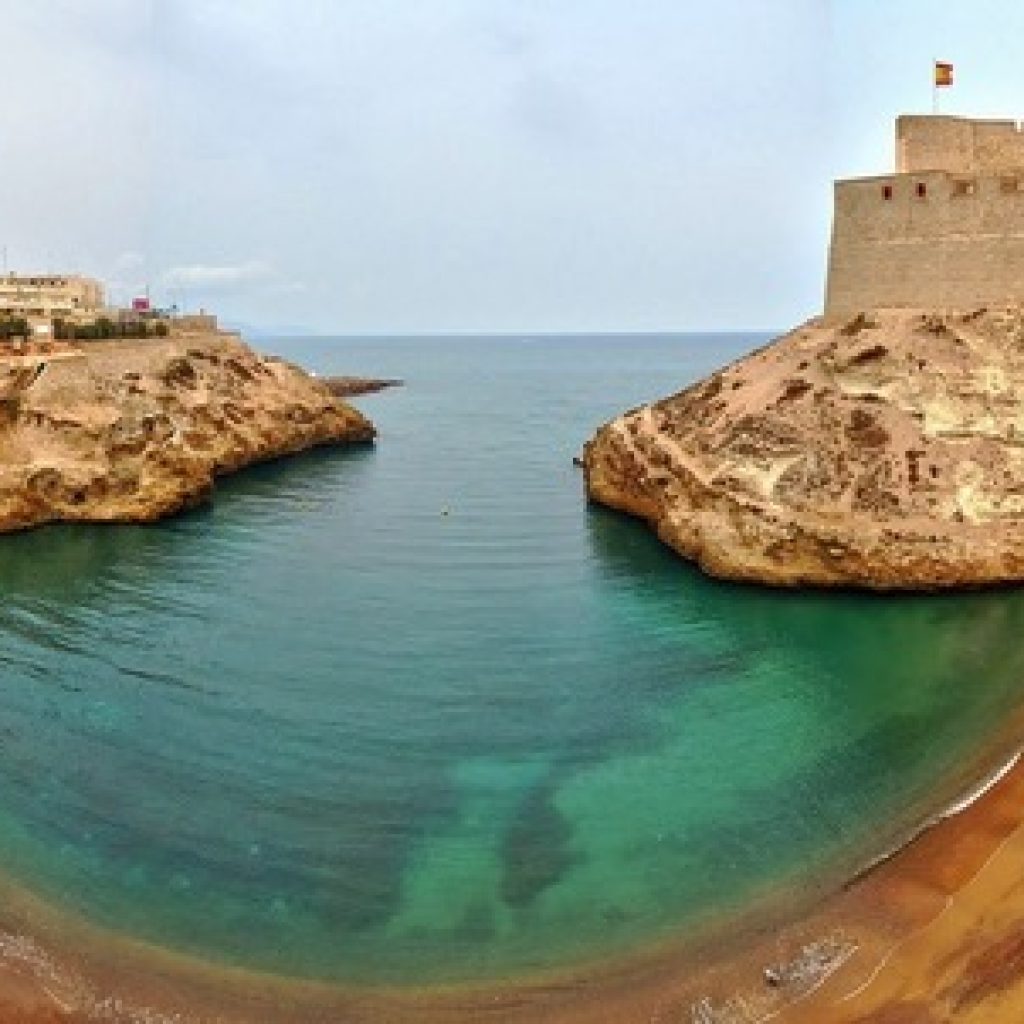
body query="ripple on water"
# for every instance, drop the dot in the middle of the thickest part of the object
(324, 728)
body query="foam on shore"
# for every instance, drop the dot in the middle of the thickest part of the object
(970, 797)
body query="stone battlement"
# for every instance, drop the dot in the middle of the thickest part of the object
(945, 231)
(960, 144)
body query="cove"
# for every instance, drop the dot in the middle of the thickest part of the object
(418, 714)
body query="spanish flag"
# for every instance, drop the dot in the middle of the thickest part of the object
(943, 74)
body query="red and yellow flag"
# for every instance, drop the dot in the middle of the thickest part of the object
(943, 74)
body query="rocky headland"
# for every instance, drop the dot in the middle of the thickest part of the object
(131, 431)
(883, 450)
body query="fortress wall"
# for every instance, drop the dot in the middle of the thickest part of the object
(959, 274)
(947, 249)
(958, 144)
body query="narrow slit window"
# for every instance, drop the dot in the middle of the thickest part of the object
(887, 191)
(922, 190)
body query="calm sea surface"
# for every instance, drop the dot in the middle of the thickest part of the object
(416, 712)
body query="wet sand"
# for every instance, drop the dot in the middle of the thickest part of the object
(933, 934)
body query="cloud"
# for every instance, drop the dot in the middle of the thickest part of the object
(381, 165)
(218, 278)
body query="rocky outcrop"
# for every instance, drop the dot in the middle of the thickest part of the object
(347, 387)
(137, 430)
(882, 451)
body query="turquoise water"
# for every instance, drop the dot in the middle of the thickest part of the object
(323, 728)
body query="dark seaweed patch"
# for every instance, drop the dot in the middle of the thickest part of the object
(536, 851)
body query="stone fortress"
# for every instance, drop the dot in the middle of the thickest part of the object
(945, 231)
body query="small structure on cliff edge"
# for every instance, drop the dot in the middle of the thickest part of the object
(945, 231)
(50, 295)
(71, 306)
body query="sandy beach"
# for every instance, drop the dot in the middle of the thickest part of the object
(931, 934)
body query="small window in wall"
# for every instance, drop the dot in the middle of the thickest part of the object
(922, 190)
(963, 187)
(887, 191)
(1009, 184)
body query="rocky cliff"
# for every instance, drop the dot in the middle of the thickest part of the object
(883, 451)
(136, 430)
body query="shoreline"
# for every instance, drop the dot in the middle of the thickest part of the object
(844, 951)
(955, 872)
(959, 805)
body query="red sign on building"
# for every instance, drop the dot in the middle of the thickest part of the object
(141, 305)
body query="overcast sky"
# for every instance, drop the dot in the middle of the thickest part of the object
(433, 165)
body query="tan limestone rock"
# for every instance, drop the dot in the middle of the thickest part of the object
(884, 450)
(130, 431)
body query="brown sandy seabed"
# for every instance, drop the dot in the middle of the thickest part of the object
(934, 933)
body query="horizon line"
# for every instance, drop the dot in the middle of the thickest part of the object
(469, 333)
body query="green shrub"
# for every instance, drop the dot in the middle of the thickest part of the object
(14, 327)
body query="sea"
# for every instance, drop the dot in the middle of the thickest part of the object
(417, 713)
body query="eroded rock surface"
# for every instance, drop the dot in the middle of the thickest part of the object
(136, 430)
(882, 451)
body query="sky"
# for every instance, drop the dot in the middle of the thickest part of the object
(407, 166)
